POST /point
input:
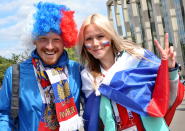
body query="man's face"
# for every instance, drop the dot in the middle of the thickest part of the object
(50, 47)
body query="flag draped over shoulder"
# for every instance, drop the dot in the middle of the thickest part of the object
(143, 89)
(140, 85)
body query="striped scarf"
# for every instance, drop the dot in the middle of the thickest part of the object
(59, 111)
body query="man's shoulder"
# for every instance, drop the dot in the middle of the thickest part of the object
(75, 65)
(26, 66)
(73, 61)
(27, 61)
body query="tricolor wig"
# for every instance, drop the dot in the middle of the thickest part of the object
(50, 17)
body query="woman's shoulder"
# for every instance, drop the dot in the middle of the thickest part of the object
(138, 51)
(85, 72)
(151, 56)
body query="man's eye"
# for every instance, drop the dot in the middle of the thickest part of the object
(56, 40)
(42, 39)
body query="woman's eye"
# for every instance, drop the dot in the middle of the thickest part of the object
(100, 36)
(88, 39)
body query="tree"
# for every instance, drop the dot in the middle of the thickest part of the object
(4, 64)
(72, 54)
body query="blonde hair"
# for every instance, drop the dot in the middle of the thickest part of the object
(118, 43)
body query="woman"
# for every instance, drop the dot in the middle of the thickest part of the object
(122, 81)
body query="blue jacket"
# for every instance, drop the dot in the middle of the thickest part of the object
(30, 102)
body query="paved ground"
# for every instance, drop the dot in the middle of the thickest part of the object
(178, 123)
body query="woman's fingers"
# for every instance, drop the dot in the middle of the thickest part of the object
(172, 57)
(163, 53)
(159, 48)
(172, 60)
(168, 51)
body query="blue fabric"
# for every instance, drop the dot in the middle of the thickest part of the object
(133, 87)
(30, 98)
(91, 113)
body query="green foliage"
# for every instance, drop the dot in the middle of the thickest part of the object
(72, 54)
(4, 64)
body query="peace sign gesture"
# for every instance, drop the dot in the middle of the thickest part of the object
(167, 53)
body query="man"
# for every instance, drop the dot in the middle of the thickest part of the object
(49, 82)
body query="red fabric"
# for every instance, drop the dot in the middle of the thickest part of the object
(158, 105)
(44, 83)
(42, 127)
(170, 113)
(125, 122)
(66, 110)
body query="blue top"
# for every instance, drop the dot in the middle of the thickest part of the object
(29, 96)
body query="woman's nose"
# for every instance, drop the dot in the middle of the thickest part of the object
(96, 42)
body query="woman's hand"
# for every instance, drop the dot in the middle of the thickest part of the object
(167, 53)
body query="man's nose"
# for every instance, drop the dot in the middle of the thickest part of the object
(50, 45)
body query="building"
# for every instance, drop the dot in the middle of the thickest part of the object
(145, 20)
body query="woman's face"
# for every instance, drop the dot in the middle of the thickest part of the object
(97, 43)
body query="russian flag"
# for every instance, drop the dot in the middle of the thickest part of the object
(144, 90)
(140, 85)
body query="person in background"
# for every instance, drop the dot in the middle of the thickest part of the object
(50, 83)
(126, 87)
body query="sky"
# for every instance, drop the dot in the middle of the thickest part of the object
(15, 19)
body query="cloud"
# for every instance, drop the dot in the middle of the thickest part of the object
(9, 6)
(14, 27)
(83, 8)
(16, 49)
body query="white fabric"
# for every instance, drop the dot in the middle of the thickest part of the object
(173, 91)
(124, 62)
(87, 80)
(67, 126)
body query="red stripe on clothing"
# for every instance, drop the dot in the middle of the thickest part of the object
(126, 122)
(158, 105)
